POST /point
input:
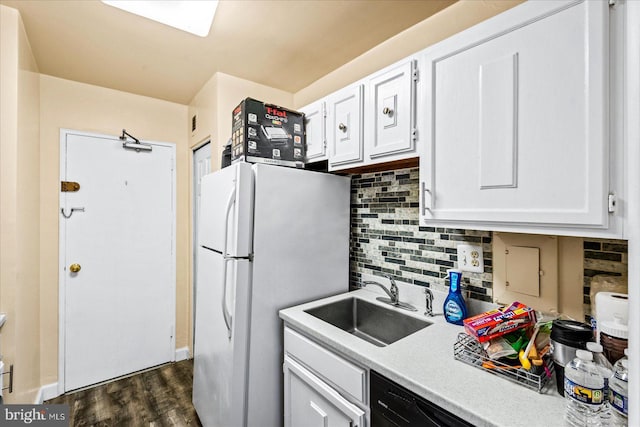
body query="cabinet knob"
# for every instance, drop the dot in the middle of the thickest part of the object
(342, 127)
(387, 111)
(74, 268)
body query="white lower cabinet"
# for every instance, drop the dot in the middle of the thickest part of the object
(311, 402)
(321, 388)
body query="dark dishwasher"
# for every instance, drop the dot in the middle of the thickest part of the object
(393, 405)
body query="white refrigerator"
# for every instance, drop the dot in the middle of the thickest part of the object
(270, 237)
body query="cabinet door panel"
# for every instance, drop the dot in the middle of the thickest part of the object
(344, 126)
(391, 111)
(314, 115)
(308, 401)
(516, 124)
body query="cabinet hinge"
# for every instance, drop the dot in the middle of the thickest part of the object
(414, 134)
(415, 75)
(613, 2)
(612, 203)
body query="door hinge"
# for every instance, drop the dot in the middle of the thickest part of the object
(415, 75)
(612, 2)
(10, 373)
(612, 203)
(69, 186)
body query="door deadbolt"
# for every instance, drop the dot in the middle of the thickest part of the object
(74, 268)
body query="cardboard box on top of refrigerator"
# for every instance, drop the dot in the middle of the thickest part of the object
(267, 133)
(495, 323)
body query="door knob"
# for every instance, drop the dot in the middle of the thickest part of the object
(74, 268)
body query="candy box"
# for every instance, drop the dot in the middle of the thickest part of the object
(495, 323)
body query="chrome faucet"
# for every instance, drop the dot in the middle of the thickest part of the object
(393, 292)
(394, 295)
(428, 302)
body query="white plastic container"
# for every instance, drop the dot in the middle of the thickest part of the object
(584, 391)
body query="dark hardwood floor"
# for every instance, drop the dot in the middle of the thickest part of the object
(159, 397)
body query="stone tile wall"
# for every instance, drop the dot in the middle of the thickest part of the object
(386, 238)
(602, 256)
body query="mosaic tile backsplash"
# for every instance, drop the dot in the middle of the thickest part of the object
(386, 238)
(603, 257)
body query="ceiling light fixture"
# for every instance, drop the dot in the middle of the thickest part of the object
(194, 17)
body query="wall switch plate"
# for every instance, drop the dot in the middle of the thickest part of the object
(470, 258)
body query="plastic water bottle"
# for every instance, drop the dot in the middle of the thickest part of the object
(584, 390)
(619, 392)
(606, 369)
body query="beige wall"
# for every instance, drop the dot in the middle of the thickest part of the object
(215, 102)
(232, 90)
(19, 207)
(29, 173)
(78, 106)
(443, 24)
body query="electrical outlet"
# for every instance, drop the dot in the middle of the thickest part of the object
(470, 258)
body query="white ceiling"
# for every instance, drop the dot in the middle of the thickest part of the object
(286, 44)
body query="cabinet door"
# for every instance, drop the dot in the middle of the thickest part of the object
(390, 111)
(310, 402)
(344, 126)
(516, 122)
(314, 121)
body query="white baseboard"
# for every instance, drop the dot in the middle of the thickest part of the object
(46, 392)
(182, 353)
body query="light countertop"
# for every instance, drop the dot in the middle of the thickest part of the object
(423, 363)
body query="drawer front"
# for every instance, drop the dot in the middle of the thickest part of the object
(344, 374)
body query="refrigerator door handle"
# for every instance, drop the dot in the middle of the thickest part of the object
(225, 311)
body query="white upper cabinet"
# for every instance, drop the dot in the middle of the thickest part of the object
(516, 123)
(314, 119)
(344, 126)
(390, 111)
(372, 121)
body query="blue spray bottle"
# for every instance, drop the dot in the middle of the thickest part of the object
(455, 310)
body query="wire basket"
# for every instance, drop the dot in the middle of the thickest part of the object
(468, 350)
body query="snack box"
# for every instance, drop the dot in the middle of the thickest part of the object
(267, 133)
(495, 323)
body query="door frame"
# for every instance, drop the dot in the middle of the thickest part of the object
(62, 247)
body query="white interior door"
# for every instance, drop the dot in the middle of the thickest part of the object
(201, 167)
(118, 310)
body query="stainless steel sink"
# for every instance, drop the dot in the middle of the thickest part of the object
(373, 323)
